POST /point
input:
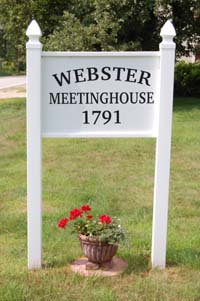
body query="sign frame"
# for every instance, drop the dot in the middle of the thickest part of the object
(162, 134)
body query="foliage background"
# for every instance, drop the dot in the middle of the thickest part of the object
(187, 79)
(95, 25)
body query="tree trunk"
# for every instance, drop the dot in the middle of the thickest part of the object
(18, 60)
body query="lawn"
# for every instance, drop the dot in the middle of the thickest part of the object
(114, 176)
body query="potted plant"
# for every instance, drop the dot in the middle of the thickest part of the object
(99, 236)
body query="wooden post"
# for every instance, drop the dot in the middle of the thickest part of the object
(163, 147)
(34, 212)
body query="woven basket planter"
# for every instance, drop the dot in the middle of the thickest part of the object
(97, 251)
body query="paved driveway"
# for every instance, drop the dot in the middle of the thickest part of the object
(12, 81)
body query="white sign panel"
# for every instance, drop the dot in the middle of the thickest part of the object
(99, 94)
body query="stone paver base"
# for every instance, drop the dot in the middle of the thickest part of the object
(117, 267)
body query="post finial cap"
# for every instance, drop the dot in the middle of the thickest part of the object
(33, 29)
(168, 30)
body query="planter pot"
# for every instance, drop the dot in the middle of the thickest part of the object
(96, 251)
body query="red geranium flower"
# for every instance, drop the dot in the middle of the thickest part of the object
(89, 217)
(105, 219)
(85, 208)
(75, 213)
(62, 223)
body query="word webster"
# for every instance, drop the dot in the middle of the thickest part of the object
(82, 96)
(105, 73)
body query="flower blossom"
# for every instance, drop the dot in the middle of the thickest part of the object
(105, 219)
(85, 208)
(62, 223)
(75, 213)
(89, 217)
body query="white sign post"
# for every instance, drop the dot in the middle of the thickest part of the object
(99, 94)
(163, 147)
(34, 210)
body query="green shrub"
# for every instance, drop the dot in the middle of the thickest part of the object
(187, 79)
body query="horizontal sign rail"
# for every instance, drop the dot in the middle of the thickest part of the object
(100, 53)
(101, 135)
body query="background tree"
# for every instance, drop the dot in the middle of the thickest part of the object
(14, 19)
(96, 25)
(186, 19)
(111, 25)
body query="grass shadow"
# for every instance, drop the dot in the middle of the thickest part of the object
(58, 262)
(137, 263)
(186, 104)
(187, 256)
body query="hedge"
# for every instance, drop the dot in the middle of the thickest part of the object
(187, 79)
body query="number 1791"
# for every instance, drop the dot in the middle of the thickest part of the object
(95, 116)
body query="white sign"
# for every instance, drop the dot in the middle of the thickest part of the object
(99, 94)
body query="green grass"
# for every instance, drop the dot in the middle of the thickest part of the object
(116, 176)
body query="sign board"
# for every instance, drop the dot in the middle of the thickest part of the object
(99, 94)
